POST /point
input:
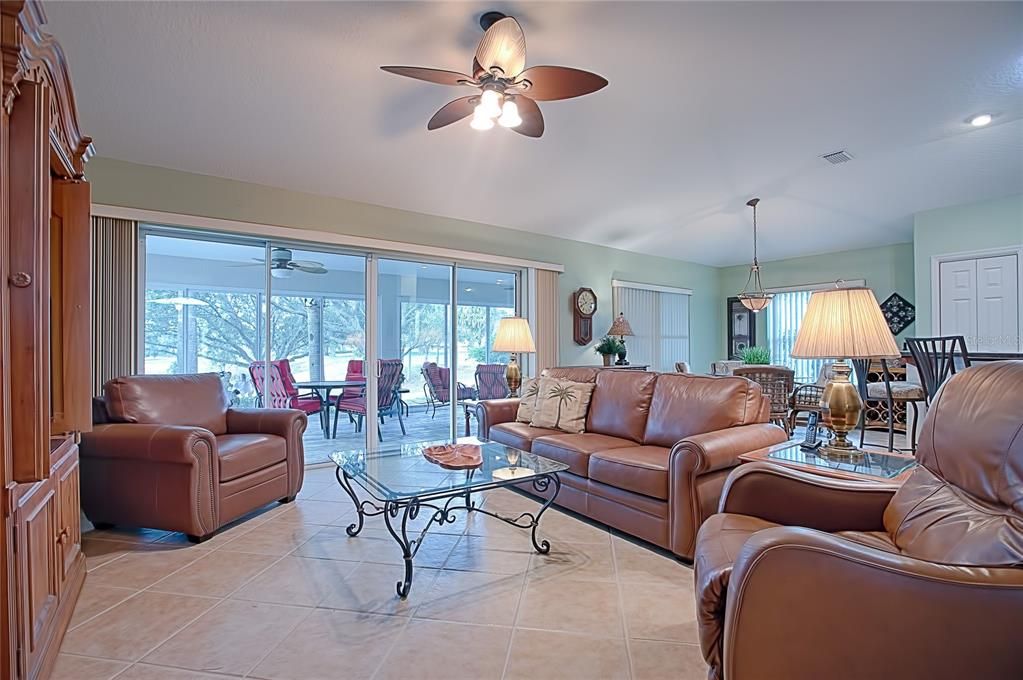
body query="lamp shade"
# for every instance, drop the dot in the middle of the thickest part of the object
(513, 336)
(844, 323)
(620, 326)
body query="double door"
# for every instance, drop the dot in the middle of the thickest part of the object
(979, 298)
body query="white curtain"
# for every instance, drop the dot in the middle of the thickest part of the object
(660, 321)
(784, 315)
(545, 329)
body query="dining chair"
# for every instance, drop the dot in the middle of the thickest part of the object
(894, 393)
(936, 360)
(390, 377)
(490, 381)
(777, 384)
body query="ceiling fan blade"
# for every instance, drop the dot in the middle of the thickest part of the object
(453, 111)
(504, 46)
(307, 263)
(431, 75)
(310, 270)
(549, 83)
(532, 119)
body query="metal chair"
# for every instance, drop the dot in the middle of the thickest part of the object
(490, 381)
(891, 392)
(935, 360)
(777, 383)
(437, 387)
(806, 398)
(389, 381)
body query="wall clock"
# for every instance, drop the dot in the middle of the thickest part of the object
(584, 306)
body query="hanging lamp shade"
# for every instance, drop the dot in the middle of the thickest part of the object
(753, 296)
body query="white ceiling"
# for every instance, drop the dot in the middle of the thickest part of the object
(708, 105)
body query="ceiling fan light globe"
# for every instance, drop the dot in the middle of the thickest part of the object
(280, 273)
(480, 119)
(490, 103)
(509, 115)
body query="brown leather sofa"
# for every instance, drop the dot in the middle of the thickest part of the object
(804, 577)
(656, 450)
(166, 452)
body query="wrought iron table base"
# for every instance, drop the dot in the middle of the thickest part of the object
(398, 513)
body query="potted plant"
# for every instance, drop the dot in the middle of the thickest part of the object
(755, 355)
(607, 348)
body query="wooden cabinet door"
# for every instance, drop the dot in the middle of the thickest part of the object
(69, 526)
(29, 282)
(37, 577)
(70, 308)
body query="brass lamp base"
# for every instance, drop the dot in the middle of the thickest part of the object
(844, 405)
(513, 376)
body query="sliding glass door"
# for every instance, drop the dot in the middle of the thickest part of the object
(374, 349)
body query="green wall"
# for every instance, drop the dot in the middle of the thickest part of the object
(961, 228)
(151, 188)
(887, 270)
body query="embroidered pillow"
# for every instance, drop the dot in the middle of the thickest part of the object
(527, 403)
(562, 405)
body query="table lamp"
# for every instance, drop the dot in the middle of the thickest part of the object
(513, 336)
(621, 328)
(843, 323)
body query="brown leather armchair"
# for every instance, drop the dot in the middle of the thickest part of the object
(166, 452)
(802, 576)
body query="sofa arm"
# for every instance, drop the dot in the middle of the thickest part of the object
(797, 498)
(697, 469)
(794, 592)
(143, 442)
(158, 476)
(289, 424)
(493, 411)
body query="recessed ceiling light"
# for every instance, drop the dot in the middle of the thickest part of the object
(468, 290)
(981, 120)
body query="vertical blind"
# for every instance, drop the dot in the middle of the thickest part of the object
(546, 321)
(114, 305)
(660, 321)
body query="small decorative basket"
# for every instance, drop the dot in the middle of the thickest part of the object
(455, 456)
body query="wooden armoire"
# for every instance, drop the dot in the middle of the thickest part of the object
(45, 360)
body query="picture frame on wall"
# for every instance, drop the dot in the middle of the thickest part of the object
(742, 327)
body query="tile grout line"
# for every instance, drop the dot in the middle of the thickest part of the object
(621, 605)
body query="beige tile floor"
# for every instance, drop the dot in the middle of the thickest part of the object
(286, 595)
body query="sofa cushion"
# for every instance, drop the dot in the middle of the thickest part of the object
(562, 404)
(686, 405)
(640, 469)
(197, 400)
(243, 454)
(519, 435)
(528, 400)
(621, 403)
(574, 449)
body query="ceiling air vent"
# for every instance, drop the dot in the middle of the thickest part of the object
(837, 157)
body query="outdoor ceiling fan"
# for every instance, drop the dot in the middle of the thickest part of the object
(282, 264)
(508, 90)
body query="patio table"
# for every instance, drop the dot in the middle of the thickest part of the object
(322, 390)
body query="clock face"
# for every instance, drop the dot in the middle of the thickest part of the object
(586, 301)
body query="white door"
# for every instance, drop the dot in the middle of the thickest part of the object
(997, 304)
(958, 281)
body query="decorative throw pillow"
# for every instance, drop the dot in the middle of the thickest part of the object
(527, 402)
(562, 405)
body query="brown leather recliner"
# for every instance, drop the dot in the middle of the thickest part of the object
(922, 581)
(656, 451)
(167, 453)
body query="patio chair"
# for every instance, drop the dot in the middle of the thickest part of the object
(391, 375)
(490, 381)
(437, 386)
(282, 390)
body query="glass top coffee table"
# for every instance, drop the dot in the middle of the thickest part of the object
(861, 465)
(400, 483)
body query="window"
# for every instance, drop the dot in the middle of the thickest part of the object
(659, 317)
(784, 315)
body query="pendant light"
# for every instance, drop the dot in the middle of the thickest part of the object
(753, 296)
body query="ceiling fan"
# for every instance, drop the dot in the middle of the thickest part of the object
(508, 90)
(281, 264)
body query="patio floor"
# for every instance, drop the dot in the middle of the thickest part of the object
(418, 425)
